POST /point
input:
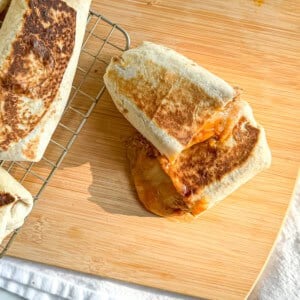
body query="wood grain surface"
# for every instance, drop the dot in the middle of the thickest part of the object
(89, 218)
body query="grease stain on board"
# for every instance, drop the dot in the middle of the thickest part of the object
(258, 2)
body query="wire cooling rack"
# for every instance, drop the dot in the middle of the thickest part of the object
(103, 39)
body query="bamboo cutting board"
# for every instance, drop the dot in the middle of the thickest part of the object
(89, 218)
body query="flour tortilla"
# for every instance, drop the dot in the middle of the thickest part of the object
(35, 82)
(165, 95)
(15, 204)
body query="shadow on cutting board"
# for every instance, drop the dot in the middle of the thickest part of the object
(102, 145)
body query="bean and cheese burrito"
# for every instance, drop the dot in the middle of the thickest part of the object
(40, 43)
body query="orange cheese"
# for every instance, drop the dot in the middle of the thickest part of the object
(220, 125)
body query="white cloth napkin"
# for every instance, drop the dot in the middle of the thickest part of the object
(40, 282)
(281, 277)
(280, 280)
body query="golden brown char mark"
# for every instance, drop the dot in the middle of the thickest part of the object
(32, 72)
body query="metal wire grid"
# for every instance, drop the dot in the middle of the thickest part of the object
(94, 47)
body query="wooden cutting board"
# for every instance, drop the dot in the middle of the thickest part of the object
(89, 218)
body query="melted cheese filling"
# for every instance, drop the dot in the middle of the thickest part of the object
(154, 187)
(220, 124)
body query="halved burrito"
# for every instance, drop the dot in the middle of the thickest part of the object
(15, 204)
(168, 98)
(40, 43)
(199, 142)
(204, 173)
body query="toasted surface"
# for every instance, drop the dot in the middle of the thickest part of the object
(38, 39)
(31, 74)
(169, 93)
(3, 4)
(203, 174)
(209, 161)
(15, 204)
